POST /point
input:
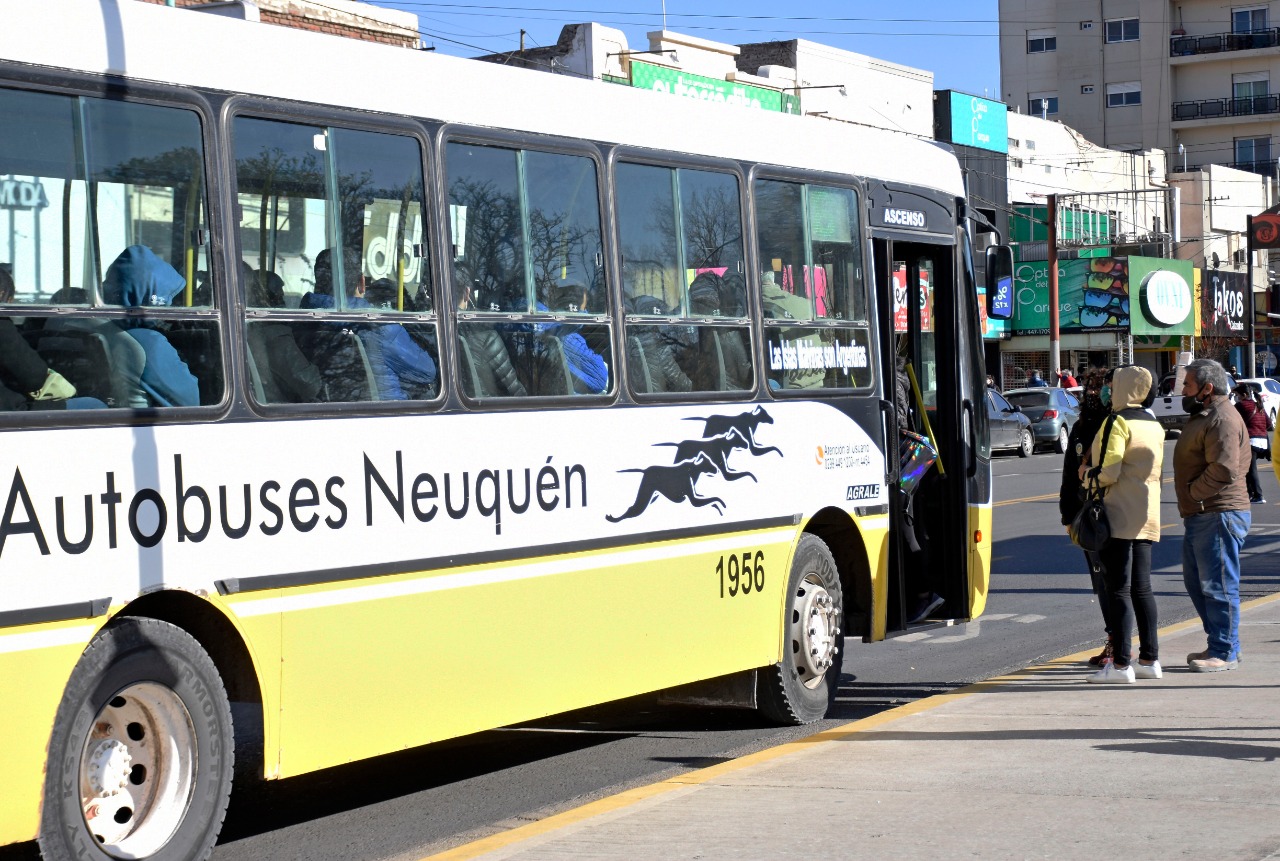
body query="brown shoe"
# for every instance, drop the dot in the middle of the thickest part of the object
(1211, 665)
(1197, 656)
(1108, 652)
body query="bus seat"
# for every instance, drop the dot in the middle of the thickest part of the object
(371, 381)
(79, 355)
(198, 347)
(471, 384)
(638, 366)
(554, 376)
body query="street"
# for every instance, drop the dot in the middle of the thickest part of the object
(410, 805)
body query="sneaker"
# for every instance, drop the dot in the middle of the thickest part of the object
(1147, 671)
(1197, 656)
(1212, 665)
(926, 606)
(1257, 500)
(1110, 674)
(1107, 653)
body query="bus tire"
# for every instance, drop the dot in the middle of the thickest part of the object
(112, 790)
(800, 688)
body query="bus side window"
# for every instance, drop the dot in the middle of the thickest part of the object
(128, 270)
(528, 285)
(812, 288)
(687, 327)
(338, 295)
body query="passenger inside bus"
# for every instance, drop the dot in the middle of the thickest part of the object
(486, 365)
(401, 368)
(651, 357)
(720, 361)
(588, 372)
(26, 382)
(140, 279)
(284, 372)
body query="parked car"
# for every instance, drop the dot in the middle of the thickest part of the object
(1266, 391)
(1167, 406)
(1010, 429)
(1052, 413)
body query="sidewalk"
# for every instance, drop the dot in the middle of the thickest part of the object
(1037, 764)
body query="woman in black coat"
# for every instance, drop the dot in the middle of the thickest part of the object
(1094, 410)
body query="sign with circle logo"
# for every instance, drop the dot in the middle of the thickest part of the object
(1165, 299)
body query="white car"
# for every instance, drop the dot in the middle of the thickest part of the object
(1269, 392)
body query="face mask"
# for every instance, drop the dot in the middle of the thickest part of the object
(1105, 395)
(1192, 404)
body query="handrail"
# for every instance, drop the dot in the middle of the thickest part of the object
(1215, 43)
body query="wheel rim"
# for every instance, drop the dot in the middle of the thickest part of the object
(1062, 438)
(1026, 441)
(814, 629)
(137, 770)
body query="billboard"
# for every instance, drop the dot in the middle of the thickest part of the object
(1093, 296)
(978, 122)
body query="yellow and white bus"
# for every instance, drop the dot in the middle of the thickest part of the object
(390, 368)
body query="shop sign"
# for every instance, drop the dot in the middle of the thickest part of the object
(22, 194)
(674, 82)
(1223, 310)
(1165, 305)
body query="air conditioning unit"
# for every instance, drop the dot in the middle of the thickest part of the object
(1240, 256)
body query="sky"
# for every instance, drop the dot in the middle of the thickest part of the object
(956, 41)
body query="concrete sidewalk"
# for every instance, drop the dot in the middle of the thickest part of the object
(1037, 764)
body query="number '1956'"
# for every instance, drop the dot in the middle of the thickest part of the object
(744, 573)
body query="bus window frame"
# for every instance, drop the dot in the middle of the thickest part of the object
(623, 154)
(252, 107)
(860, 188)
(76, 85)
(451, 133)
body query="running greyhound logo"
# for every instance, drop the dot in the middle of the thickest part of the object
(721, 436)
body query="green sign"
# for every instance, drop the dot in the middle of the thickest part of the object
(1165, 300)
(1030, 224)
(674, 82)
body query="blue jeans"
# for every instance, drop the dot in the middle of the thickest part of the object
(1211, 572)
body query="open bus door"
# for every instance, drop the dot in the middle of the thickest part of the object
(930, 383)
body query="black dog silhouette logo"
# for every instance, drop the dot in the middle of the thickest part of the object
(695, 458)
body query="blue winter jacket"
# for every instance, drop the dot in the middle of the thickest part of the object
(394, 357)
(140, 279)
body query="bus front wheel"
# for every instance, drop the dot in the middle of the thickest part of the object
(140, 759)
(800, 688)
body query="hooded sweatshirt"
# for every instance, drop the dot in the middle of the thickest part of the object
(1129, 469)
(140, 279)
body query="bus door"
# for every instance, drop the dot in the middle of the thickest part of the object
(926, 383)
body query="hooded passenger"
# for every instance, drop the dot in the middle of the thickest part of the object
(140, 279)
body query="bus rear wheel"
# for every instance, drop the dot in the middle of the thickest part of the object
(800, 688)
(140, 759)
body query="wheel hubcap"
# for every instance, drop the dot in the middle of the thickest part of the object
(814, 629)
(137, 770)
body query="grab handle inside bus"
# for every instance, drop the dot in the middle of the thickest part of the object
(924, 416)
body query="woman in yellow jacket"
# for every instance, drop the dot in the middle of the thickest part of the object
(1128, 470)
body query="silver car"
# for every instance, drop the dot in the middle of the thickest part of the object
(1053, 412)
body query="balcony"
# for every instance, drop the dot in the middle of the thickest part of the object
(1207, 109)
(1217, 43)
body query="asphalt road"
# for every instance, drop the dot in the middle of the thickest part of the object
(410, 805)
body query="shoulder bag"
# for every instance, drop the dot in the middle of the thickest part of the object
(1090, 529)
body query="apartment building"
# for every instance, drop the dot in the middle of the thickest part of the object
(1193, 78)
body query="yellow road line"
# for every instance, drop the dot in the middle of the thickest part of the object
(629, 797)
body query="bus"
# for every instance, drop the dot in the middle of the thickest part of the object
(341, 377)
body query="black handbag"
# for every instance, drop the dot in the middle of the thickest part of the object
(1091, 529)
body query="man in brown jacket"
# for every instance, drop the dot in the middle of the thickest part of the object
(1209, 466)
